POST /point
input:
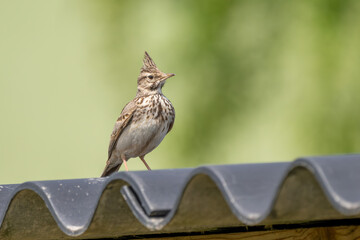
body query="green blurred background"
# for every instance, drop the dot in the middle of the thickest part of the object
(256, 81)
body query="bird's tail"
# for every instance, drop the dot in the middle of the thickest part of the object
(110, 169)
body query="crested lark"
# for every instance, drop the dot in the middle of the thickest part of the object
(144, 122)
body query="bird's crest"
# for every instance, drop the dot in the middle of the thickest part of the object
(148, 63)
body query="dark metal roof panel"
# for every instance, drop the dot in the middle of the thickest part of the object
(181, 200)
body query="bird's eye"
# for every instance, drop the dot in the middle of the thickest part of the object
(150, 76)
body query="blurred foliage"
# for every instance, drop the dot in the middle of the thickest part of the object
(256, 81)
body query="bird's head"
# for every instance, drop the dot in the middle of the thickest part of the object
(151, 79)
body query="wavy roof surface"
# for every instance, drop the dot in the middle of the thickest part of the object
(183, 200)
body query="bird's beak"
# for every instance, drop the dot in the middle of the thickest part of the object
(167, 75)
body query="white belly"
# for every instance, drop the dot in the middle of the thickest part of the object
(146, 130)
(141, 138)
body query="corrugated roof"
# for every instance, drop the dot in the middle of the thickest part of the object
(183, 200)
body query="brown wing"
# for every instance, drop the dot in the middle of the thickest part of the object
(171, 126)
(121, 123)
(173, 120)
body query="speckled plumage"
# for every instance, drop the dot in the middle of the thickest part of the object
(144, 122)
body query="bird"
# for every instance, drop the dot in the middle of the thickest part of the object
(143, 122)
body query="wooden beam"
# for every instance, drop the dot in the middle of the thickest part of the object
(333, 233)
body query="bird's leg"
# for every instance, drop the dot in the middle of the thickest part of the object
(125, 164)
(143, 160)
